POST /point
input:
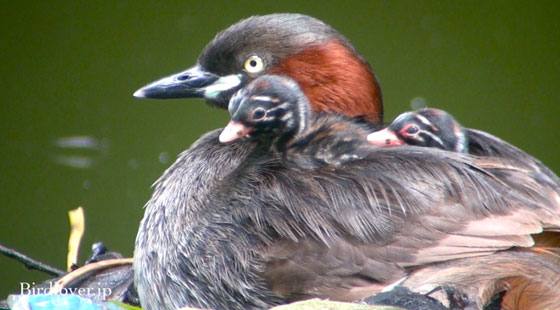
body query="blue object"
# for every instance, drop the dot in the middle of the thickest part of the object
(57, 302)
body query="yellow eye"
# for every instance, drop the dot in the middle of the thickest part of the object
(254, 64)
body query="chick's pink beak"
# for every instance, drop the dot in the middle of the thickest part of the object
(234, 131)
(384, 137)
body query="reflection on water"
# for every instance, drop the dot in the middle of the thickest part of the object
(79, 152)
(78, 142)
(80, 162)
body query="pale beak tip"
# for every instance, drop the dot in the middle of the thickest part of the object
(224, 138)
(384, 137)
(139, 93)
(233, 131)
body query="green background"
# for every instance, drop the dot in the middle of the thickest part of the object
(70, 68)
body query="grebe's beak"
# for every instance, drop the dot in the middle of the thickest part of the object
(234, 131)
(194, 82)
(384, 137)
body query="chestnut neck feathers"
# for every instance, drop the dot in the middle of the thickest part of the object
(335, 81)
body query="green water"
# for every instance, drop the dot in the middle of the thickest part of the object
(72, 134)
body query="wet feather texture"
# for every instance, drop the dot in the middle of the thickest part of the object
(269, 227)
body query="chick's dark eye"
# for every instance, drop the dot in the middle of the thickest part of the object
(258, 114)
(412, 129)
